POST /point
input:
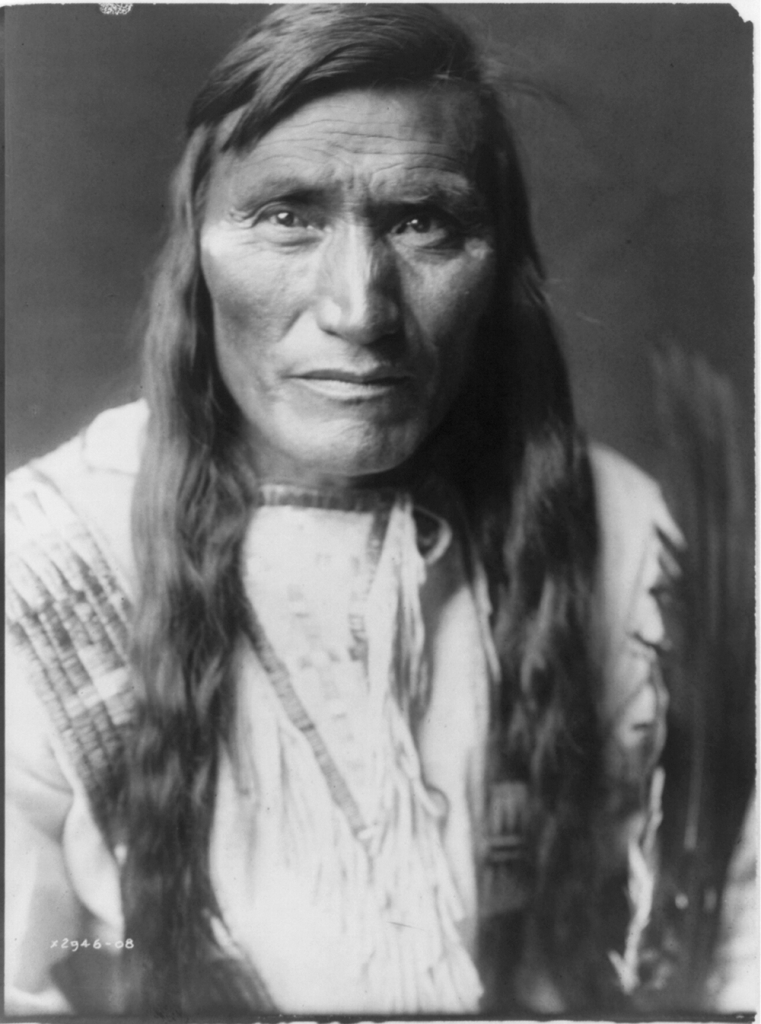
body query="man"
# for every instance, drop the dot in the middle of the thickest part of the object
(333, 679)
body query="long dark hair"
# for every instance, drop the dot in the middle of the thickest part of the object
(509, 448)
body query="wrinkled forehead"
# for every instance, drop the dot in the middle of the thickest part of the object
(412, 129)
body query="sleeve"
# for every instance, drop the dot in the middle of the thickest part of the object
(41, 907)
(636, 564)
(629, 636)
(68, 704)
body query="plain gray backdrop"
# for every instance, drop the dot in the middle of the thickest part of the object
(637, 137)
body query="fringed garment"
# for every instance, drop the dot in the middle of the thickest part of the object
(343, 845)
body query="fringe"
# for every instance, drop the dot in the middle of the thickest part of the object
(641, 889)
(387, 880)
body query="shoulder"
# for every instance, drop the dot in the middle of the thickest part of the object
(635, 528)
(630, 505)
(109, 446)
(68, 518)
(85, 483)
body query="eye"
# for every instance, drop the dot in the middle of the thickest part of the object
(284, 224)
(419, 224)
(284, 217)
(427, 228)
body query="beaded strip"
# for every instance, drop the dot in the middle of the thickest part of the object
(278, 672)
(68, 614)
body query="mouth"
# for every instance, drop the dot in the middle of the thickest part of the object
(353, 384)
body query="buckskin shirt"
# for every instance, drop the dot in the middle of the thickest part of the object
(353, 819)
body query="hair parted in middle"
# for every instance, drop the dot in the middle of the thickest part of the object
(509, 448)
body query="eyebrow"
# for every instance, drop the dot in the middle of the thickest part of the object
(463, 198)
(456, 192)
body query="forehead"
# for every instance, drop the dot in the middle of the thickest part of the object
(366, 138)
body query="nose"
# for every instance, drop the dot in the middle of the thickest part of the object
(357, 296)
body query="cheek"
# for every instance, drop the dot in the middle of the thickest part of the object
(450, 304)
(249, 295)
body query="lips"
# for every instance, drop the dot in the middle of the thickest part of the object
(355, 385)
(375, 375)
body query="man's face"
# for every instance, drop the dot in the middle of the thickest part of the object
(349, 260)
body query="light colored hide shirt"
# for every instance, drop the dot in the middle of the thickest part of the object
(363, 900)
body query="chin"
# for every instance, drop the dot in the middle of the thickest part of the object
(357, 466)
(341, 454)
